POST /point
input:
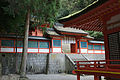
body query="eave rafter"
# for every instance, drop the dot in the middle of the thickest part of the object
(93, 20)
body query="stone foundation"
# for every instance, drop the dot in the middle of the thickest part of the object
(36, 63)
(56, 63)
(52, 63)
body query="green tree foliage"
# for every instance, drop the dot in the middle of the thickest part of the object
(71, 6)
(42, 11)
(95, 34)
(8, 22)
(12, 13)
(38, 11)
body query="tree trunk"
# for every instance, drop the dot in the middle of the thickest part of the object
(0, 66)
(16, 53)
(25, 47)
(47, 64)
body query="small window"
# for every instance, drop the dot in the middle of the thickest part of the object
(83, 44)
(57, 43)
(7, 43)
(19, 43)
(43, 44)
(97, 47)
(32, 44)
(90, 47)
(78, 44)
(103, 48)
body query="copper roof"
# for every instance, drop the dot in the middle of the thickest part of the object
(55, 31)
(69, 30)
(51, 31)
(88, 36)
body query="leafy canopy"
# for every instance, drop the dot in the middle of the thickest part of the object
(95, 34)
(8, 22)
(42, 11)
(71, 6)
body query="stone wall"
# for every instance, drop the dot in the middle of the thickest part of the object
(36, 63)
(8, 63)
(69, 64)
(56, 63)
(44, 63)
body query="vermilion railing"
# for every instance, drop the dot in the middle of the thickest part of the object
(105, 65)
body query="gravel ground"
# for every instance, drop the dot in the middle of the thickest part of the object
(58, 77)
(48, 77)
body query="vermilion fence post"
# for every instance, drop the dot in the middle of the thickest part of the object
(77, 64)
(96, 77)
(78, 76)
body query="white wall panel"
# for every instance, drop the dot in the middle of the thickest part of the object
(56, 49)
(103, 51)
(97, 51)
(7, 49)
(90, 51)
(83, 50)
(44, 50)
(32, 50)
(19, 50)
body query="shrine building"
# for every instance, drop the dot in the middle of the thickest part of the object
(55, 40)
(104, 16)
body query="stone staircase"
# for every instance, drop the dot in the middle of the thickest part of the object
(71, 58)
(86, 57)
(77, 57)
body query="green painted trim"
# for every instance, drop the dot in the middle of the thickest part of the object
(78, 11)
(98, 71)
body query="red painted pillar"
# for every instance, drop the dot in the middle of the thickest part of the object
(78, 76)
(76, 45)
(79, 47)
(105, 19)
(52, 46)
(61, 46)
(96, 77)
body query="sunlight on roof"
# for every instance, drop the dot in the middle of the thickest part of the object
(78, 11)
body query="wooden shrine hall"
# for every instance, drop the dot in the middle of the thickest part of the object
(103, 16)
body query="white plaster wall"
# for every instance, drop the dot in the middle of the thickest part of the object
(7, 49)
(56, 49)
(90, 51)
(44, 50)
(19, 50)
(83, 50)
(32, 50)
(97, 51)
(103, 51)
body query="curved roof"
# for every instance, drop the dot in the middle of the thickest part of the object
(93, 16)
(100, 42)
(51, 31)
(95, 4)
(61, 31)
(69, 30)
